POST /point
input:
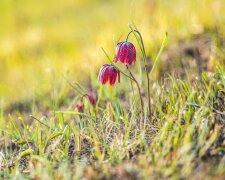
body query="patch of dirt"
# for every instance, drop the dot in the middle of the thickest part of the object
(192, 56)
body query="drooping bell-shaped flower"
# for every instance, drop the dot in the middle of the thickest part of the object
(80, 107)
(126, 53)
(108, 73)
(91, 96)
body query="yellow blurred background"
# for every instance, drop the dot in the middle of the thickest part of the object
(40, 40)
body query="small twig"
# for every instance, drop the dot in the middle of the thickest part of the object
(40, 121)
(199, 106)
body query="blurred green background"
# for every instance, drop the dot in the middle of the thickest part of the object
(40, 40)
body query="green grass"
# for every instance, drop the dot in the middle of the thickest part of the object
(39, 42)
(185, 139)
(42, 136)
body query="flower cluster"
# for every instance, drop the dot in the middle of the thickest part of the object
(125, 53)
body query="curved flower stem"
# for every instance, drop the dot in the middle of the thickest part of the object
(142, 47)
(139, 92)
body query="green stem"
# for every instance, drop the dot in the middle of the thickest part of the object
(142, 47)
